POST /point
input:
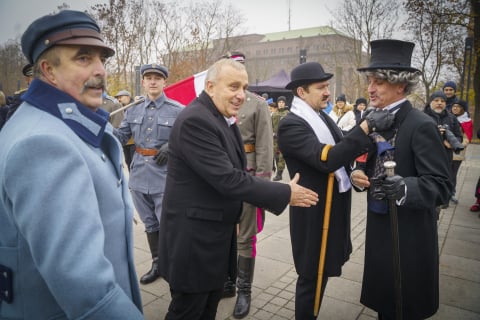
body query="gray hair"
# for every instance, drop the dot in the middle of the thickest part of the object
(410, 78)
(214, 70)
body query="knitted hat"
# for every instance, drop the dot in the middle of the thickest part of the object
(450, 84)
(361, 100)
(438, 94)
(341, 98)
(462, 103)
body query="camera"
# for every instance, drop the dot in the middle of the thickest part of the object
(456, 145)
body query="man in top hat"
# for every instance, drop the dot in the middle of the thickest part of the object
(314, 146)
(421, 182)
(149, 123)
(66, 247)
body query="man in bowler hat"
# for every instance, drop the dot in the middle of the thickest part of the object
(66, 245)
(421, 182)
(314, 147)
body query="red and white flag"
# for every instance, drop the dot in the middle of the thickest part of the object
(184, 91)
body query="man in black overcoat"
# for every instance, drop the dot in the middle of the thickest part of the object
(314, 147)
(207, 183)
(420, 184)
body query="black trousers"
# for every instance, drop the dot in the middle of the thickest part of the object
(194, 306)
(305, 297)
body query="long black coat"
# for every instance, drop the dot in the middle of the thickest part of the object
(206, 185)
(421, 159)
(301, 150)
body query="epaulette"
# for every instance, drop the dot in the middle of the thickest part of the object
(173, 102)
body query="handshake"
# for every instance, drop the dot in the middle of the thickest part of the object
(379, 120)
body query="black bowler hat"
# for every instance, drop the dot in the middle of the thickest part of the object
(390, 54)
(307, 73)
(67, 27)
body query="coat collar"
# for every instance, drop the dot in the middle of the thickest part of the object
(88, 125)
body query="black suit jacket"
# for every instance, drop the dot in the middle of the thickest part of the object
(301, 149)
(206, 185)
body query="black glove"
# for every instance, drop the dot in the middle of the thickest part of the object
(394, 187)
(380, 120)
(162, 156)
(387, 187)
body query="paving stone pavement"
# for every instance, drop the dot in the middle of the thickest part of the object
(274, 283)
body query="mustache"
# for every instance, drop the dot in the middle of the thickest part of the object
(97, 82)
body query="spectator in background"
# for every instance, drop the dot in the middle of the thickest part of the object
(445, 120)
(476, 206)
(450, 88)
(342, 114)
(66, 238)
(359, 108)
(459, 110)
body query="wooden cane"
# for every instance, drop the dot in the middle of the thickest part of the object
(323, 246)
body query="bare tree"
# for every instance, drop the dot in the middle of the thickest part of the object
(366, 20)
(436, 28)
(475, 7)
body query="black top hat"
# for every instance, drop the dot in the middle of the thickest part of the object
(307, 73)
(390, 54)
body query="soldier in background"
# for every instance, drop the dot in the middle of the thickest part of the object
(279, 114)
(125, 98)
(111, 104)
(16, 100)
(149, 123)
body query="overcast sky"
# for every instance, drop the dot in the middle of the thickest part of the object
(263, 16)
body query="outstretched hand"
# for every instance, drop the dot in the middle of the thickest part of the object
(301, 196)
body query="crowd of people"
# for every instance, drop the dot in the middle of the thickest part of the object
(200, 179)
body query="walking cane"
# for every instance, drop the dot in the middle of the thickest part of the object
(127, 106)
(397, 273)
(323, 246)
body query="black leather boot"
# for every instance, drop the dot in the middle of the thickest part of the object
(246, 267)
(229, 289)
(153, 274)
(278, 177)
